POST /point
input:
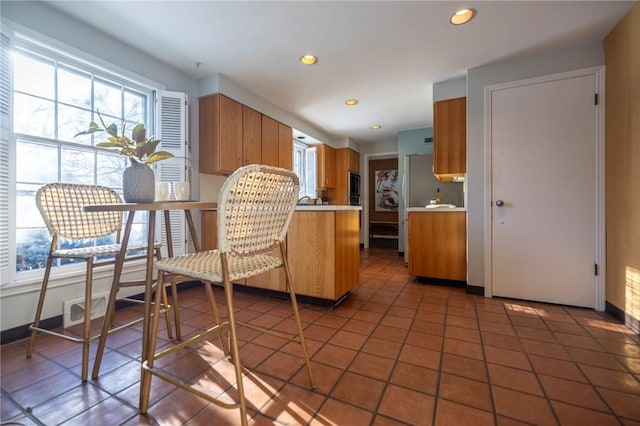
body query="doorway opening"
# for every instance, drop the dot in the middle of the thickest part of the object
(382, 201)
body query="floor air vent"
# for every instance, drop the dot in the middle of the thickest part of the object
(74, 309)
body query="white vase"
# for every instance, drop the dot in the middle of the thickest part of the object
(138, 183)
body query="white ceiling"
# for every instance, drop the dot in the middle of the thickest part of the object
(386, 54)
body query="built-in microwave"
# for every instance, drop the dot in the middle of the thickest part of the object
(354, 189)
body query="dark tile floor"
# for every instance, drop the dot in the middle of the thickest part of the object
(396, 352)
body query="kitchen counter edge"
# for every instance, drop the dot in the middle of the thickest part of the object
(436, 210)
(325, 208)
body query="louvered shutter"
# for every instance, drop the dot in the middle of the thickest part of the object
(172, 131)
(311, 162)
(5, 164)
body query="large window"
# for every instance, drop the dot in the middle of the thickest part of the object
(55, 97)
(304, 165)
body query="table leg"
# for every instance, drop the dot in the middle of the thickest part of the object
(192, 230)
(167, 228)
(148, 285)
(111, 304)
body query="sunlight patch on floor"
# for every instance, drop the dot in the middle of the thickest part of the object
(632, 292)
(526, 309)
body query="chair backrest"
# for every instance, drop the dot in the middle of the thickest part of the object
(61, 206)
(255, 207)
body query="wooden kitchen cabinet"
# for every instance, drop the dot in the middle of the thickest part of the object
(271, 280)
(353, 160)
(285, 146)
(347, 160)
(209, 230)
(270, 141)
(450, 138)
(326, 159)
(220, 131)
(324, 252)
(277, 143)
(233, 135)
(251, 136)
(437, 241)
(274, 279)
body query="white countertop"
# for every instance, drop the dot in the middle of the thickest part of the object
(325, 208)
(440, 209)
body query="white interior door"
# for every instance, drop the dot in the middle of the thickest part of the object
(543, 138)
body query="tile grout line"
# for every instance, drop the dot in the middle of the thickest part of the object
(486, 363)
(376, 412)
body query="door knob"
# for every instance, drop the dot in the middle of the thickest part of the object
(499, 203)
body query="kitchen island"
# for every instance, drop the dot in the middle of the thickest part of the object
(437, 242)
(323, 249)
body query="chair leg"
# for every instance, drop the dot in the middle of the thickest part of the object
(176, 311)
(228, 292)
(165, 304)
(149, 357)
(86, 332)
(106, 324)
(296, 311)
(40, 306)
(216, 314)
(165, 300)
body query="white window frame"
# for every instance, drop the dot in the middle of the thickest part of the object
(307, 170)
(11, 281)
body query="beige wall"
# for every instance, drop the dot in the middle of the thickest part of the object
(622, 53)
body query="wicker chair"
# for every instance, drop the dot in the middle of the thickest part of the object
(255, 207)
(61, 206)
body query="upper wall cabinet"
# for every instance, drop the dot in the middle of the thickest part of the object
(251, 136)
(285, 146)
(450, 138)
(277, 143)
(353, 160)
(326, 166)
(347, 160)
(220, 134)
(233, 135)
(270, 150)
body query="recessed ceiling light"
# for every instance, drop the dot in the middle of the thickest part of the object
(462, 16)
(308, 59)
(351, 101)
(376, 127)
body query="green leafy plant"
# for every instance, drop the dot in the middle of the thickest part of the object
(138, 147)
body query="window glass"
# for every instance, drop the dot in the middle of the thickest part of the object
(32, 248)
(304, 166)
(33, 116)
(109, 170)
(135, 106)
(108, 99)
(36, 162)
(77, 166)
(33, 75)
(29, 216)
(298, 165)
(70, 121)
(74, 88)
(54, 98)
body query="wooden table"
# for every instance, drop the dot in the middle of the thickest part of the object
(131, 209)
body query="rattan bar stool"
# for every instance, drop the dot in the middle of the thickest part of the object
(61, 207)
(255, 207)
